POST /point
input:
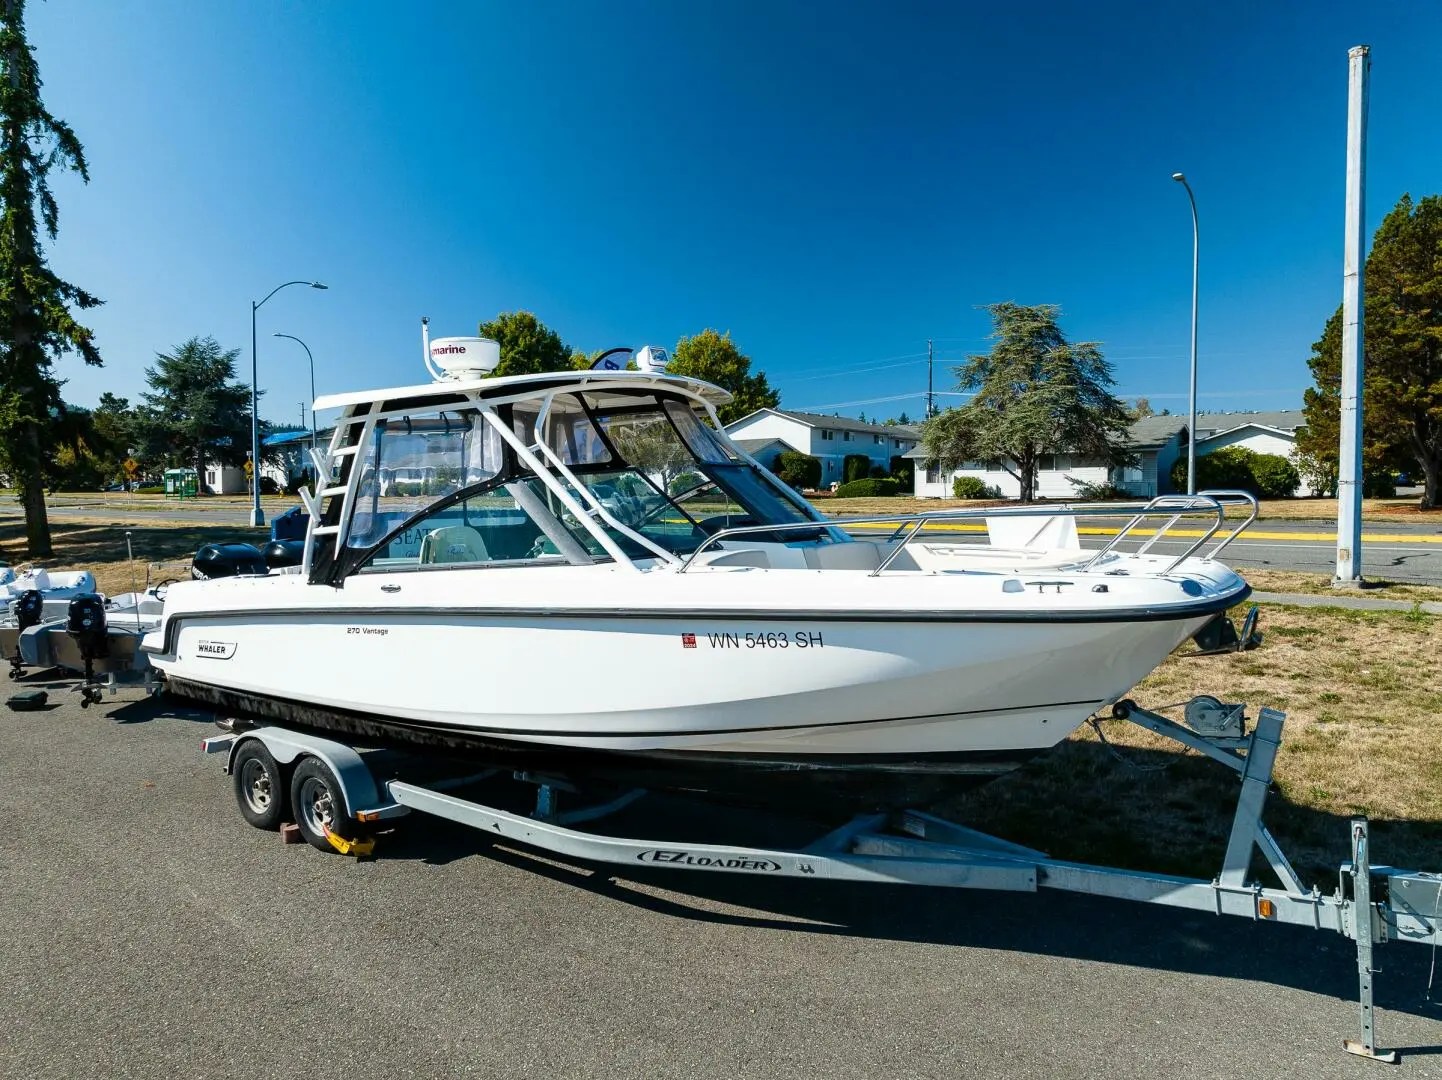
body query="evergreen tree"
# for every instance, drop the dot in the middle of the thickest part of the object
(36, 324)
(197, 412)
(1035, 393)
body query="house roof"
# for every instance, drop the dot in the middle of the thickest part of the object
(1154, 431)
(1284, 420)
(755, 446)
(282, 438)
(837, 423)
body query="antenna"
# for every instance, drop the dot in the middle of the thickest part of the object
(436, 373)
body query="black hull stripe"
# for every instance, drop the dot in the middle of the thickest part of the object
(206, 691)
(1169, 613)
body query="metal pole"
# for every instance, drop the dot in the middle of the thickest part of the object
(311, 361)
(1349, 461)
(1192, 391)
(930, 408)
(256, 517)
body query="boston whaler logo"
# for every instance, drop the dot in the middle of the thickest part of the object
(714, 862)
(215, 650)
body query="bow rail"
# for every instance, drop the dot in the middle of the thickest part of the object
(909, 526)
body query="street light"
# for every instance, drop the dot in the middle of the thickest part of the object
(1192, 395)
(256, 517)
(311, 359)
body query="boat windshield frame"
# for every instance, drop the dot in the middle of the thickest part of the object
(569, 487)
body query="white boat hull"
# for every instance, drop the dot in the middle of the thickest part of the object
(780, 682)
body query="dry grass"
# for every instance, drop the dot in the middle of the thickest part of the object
(98, 547)
(1363, 697)
(1292, 581)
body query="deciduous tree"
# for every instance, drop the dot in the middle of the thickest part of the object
(36, 323)
(716, 359)
(1035, 393)
(528, 346)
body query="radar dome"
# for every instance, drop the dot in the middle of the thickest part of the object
(465, 357)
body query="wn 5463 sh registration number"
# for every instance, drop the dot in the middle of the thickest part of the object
(768, 639)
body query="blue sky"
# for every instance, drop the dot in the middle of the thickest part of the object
(833, 183)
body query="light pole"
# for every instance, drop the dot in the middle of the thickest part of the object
(256, 517)
(311, 360)
(1192, 393)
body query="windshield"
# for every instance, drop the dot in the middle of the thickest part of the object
(646, 473)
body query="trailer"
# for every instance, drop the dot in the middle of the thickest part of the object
(333, 795)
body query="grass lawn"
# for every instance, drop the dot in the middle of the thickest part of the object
(1294, 581)
(1363, 697)
(1362, 690)
(101, 548)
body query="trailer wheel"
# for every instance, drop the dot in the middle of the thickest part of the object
(259, 786)
(315, 795)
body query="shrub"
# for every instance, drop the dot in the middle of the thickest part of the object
(683, 483)
(973, 487)
(1268, 476)
(797, 470)
(1275, 476)
(855, 467)
(867, 487)
(1380, 484)
(1100, 492)
(151, 489)
(1229, 467)
(904, 469)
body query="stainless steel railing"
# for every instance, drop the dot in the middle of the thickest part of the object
(909, 526)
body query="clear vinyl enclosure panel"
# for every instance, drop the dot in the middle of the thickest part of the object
(443, 488)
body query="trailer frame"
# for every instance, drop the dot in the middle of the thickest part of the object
(1371, 905)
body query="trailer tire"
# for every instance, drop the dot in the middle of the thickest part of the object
(260, 788)
(315, 796)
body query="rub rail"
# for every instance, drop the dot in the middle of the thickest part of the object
(909, 526)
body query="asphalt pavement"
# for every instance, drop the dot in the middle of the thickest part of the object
(150, 933)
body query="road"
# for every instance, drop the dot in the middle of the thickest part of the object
(150, 933)
(1404, 552)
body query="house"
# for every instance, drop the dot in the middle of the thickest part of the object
(1264, 432)
(1156, 441)
(763, 450)
(827, 438)
(225, 480)
(286, 460)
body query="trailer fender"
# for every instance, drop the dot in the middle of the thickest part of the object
(358, 786)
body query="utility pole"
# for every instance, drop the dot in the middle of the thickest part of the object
(930, 406)
(1349, 462)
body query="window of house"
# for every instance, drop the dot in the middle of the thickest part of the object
(877, 439)
(933, 476)
(846, 436)
(828, 436)
(1046, 462)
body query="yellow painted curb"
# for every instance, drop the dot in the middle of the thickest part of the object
(1250, 534)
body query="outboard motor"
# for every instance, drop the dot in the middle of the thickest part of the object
(29, 610)
(85, 625)
(280, 553)
(227, 560)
